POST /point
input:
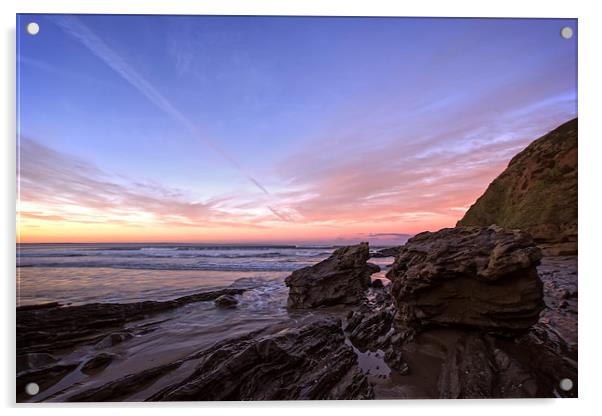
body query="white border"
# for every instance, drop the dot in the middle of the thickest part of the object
(590, 201)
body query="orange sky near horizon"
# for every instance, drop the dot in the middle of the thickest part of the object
(44, 231)
(34, 227)
(68, 200)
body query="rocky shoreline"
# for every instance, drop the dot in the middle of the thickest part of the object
(471, 312)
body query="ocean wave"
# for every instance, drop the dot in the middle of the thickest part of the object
(226, 267)
(172, 253)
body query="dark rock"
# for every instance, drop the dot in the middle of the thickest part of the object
(55, 328)
(395, 360)
(377, 284)
(370, 328)
(340, 279)
(44, 377)
(34, 360)
(476, 369)
(558, 322)
(373, 268)
(372, 320)
(480, 277)
(113, 339)
(478, 365)
(310, 361)
(226, 301)
(386, 252)
(537, 192)
(559, 249)
(123, 387)
(48, 305)
(97, 363)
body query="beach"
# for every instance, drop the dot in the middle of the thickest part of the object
(75, 275)
(166, 333)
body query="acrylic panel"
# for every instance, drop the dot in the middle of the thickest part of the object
(295, 208)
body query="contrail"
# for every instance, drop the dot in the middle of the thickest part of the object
(77, 29)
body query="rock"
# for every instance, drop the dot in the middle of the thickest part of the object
(386, 252)
(559, 249)
(44, 377)
(377, 284)
(372, 268)
(97, 363)
(479, 366)
(370, 328)
(226, 301)
(548, 352)
(559, 318)
(306, 362)
(34, 360)
(537, 192)
(55, 328)
(124, 387)
(479, 277)
(476, 369)
(113, 339)
(340, 279)
(48, 305)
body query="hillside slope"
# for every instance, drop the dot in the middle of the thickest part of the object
(537, 192)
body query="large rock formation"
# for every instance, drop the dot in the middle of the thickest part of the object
(479, 277)
(340, 279)
(370, 328)
(307, 362)
(537, 192)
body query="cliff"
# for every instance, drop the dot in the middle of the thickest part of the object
(537, 192)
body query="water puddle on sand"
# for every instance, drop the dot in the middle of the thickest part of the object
(371, 363)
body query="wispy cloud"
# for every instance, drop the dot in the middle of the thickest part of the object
(56, 186)
(418, 181)
(82, 33)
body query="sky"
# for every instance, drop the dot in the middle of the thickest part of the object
(225, 129)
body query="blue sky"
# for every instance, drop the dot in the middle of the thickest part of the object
(283, 122)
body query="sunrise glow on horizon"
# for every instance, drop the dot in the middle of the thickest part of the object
(275, 130)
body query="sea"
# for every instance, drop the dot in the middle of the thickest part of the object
(73, 274)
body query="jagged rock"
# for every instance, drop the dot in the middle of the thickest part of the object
(386, 252)
(226, 301)
(480, 277)
(537, 192)
(97, 363)
(53, 328)
(371, 320)
(479, 365)
(309, 361)
(476, 369)
(340, 279)
(370, 328)
(377, 284)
